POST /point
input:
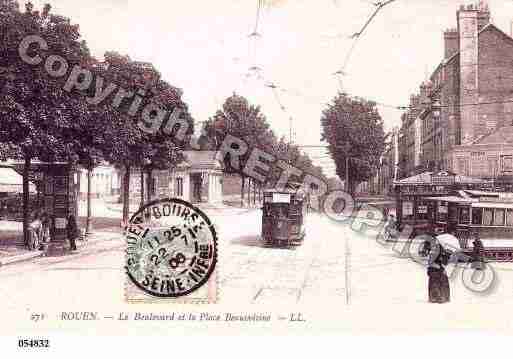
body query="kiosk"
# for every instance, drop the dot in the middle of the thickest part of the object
(412, 193)
(57, 188)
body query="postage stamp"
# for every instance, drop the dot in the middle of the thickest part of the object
(171, 254)
(170, 167)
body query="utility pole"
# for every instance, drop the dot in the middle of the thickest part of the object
(290, 129)
(347, 249)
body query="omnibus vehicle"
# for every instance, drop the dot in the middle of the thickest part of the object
(283, 215)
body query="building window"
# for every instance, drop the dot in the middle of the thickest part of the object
(492, 166)
(463, 166)
(179, 187)
(507, 163)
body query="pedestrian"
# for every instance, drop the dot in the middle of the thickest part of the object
(72, 232)
(438, 282)
(45, 230)
(390, 228)
(477, 253)
(34, 230)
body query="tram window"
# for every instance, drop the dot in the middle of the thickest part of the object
(477, 215)
(487, 216)
(498, 218)
(509, 218)
(464, 216)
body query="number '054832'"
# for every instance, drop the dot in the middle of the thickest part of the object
(33, 343)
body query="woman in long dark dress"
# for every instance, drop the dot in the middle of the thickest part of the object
(72, 232)
(438, 283)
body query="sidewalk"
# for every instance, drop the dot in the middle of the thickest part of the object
(12, 249)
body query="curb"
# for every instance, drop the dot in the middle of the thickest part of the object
(36, 254)
(20, 258)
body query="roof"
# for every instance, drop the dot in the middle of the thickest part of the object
(425, 179)
(493, 205)
(422, 178)
(482, 193)
(487, 27)
(451, 199)
(283, 190)
(200, 160)
(502, 135)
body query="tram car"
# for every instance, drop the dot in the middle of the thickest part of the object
(486, 215)
(283, 216)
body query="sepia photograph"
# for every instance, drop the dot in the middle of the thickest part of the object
(255, 166)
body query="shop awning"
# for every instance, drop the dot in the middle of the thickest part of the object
(12, 182)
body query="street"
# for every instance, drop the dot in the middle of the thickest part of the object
(312, 275)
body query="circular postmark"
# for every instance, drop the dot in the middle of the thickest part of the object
(171, 248)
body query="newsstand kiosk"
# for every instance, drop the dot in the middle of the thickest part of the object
(57, 186)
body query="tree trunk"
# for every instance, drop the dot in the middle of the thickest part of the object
(248, 192)
(126, 195)
(242, 191)
(26, 202)
(149, 184)
(88, 220)
(142, 188)
(254, 193)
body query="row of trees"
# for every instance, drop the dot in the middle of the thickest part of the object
(39, 120)
(239, 118)
(356, 139)
(352, 127)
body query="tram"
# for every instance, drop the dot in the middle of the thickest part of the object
(487, 215)
(283, 215)
(412, 196)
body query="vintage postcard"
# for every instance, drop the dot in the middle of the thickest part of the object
(256, 166)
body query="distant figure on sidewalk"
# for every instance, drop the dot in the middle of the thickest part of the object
(45, 228)
(438, 283)
(34, 232)
(72, 232)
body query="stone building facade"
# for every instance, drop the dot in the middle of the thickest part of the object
(197, 179)
(468, 96)
(490, 157)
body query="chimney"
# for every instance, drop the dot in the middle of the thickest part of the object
(468, 22)
(451, 43)
(483, 15)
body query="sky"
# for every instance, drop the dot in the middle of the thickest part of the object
(204, 48)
